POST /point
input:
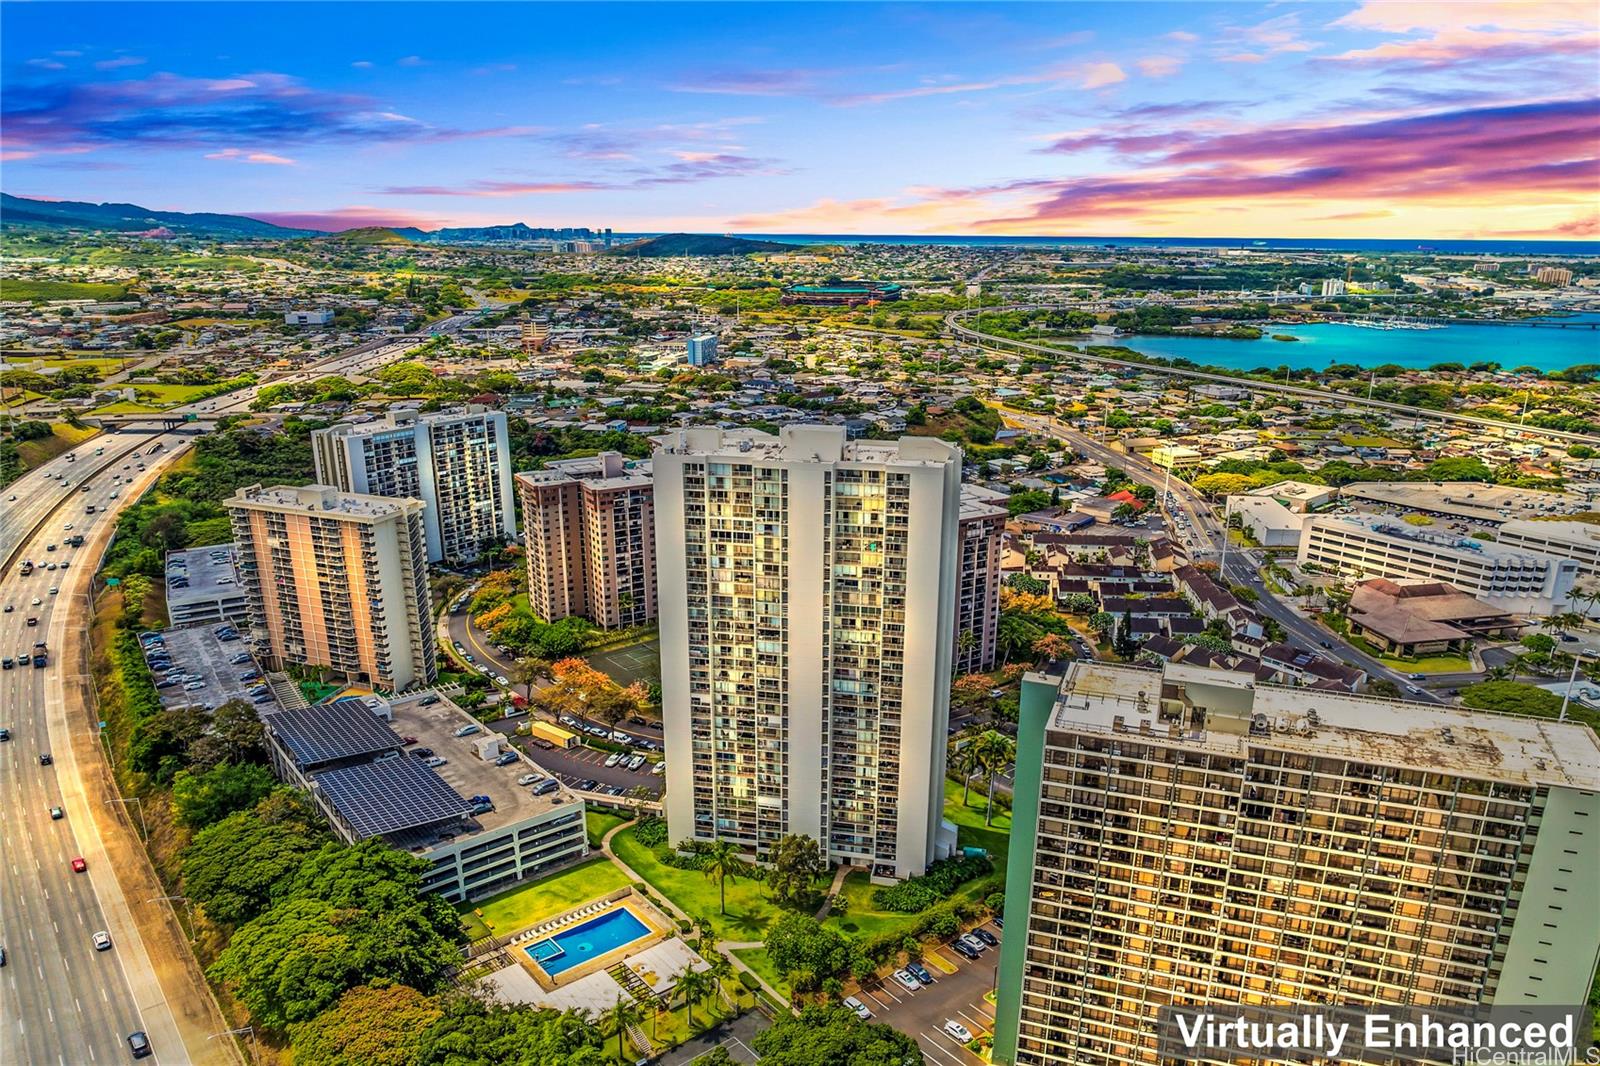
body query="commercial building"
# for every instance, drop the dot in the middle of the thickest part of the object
(337, 580)
(849, 293)
(808, 590)
(479, 831)
(588, 527)
(1269, 523)
(457, 462)
(1471, 500)
(535, 336)
(1423, 618)
(702, 349)
(203, 586)
(1189, 836)
(1332, 287)
(1176, 456)
(1578, 541)
(1510, 578)
(1298, 496)
(980, 532)
(308, 318)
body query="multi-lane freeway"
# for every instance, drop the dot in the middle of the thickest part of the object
(61, 1000)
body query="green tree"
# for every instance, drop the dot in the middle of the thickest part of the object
(528, 671)
(831, 1035)
(797, 861)
(474, 1033)
(368, 1027)
(620, 1016)
(234, 868)
(721, 862)
(200, 799)
(995, 753)
(693, 985)
(797, 942)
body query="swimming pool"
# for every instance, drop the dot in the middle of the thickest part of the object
(590, 940)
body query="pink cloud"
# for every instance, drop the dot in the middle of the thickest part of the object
(120, 62)
(343, 218)
(1159, 66)
(239, 155)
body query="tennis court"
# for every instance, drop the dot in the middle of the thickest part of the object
(636, 662)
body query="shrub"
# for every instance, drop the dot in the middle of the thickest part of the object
(940, 882)
(749, 981)
(651, 831)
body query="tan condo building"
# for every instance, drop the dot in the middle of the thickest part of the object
(589, 530)
(982, 527)
(337, 580)
(808, 612)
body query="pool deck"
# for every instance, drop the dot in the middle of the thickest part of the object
(657, 929)
(597, 992)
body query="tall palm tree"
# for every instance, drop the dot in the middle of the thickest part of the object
(966, 760)
(723, 864)
(721, 970)
(623, 1014)
(995, 750)
(693, 985)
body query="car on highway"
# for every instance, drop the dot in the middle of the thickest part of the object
(54, 590)
(45, 758)
(956, 1031)
(102, 941)
(10, 607)
(907, 981)
(78, 865)
(859, 1007)
(33, 619)
(7, 663)
(56, 814)
(3, 950)
(139, 1045)
(5, 734)
(37, 601)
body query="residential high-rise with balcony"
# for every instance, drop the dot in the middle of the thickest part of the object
(589, 529)
(1187, 836)
(456, 462)
(808, 603)
(337, 580)
(983, 523)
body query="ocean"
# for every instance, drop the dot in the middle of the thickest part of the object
(1445, 246)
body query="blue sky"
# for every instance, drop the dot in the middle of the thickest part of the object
(1332, 119)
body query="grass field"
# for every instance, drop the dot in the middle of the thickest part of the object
(970, 830)
(34, 453)
(125, 407)
(749, 909)
(635, 662)
(40, 291)
(105, 366)
(1428, 664)
(170, 395)
(533, 903)
(757, 960)
(600, 822)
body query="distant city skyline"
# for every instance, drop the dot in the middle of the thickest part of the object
(1343, 120)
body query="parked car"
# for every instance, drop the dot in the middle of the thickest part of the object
(530, 779)
(956, 1031)
(506, 758)
(421, 753)
(920, 972)
(859, 1007)
(433, 760)
(986, 936)
(961, 948)
(469, 729)
(614, 758)
(636, 762)
(907, 981)
(429, 701)
(973, 942)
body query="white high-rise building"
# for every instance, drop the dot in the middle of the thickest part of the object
(458, 463)
(807, 600)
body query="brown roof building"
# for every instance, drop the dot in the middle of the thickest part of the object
(1423, 618)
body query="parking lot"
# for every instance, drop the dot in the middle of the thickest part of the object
(636, 662)
(581, 763)
(196, 650)
(956, 994)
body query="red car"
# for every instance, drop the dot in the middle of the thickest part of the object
(78, 865)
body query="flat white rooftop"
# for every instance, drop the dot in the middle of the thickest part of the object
(1480, 744)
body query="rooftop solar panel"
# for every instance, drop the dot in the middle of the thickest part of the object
(329, 731)
(389, 796)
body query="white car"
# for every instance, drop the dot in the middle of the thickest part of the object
(102, 941)
(530, 779)
(636, 762)
(973, 942)
(614, 758)
(956, 1031)
(37, 601)
(859, 1007)
(907, 980)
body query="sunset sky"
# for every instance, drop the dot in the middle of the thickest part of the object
(1376, 119)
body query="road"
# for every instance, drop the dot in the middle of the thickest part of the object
(1204, 541)
(954, 321)
(60, 1000)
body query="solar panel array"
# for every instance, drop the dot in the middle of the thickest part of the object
(330, 731)
(389, 796)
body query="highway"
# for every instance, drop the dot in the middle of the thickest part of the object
(1203, 539)
(955, 321)
(61, 1001)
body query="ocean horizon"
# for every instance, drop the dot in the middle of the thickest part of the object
(1442, 245)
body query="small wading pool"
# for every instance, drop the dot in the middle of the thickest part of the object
(587, 941)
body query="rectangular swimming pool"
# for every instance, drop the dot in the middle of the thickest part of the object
(587, 941)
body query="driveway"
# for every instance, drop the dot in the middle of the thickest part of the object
(956, 994)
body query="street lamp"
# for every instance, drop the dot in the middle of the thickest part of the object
(1571, 680)
(248, 1031)
(187, 905)
(144, 831)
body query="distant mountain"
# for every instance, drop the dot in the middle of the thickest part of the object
(516, 231)
(131, 218)
(370, 235)
(670, 244)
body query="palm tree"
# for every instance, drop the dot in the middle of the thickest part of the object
(721, 970)
(623, 1014)
(527, 673)
(722, 864)
(966, 760)
(693, 985)
(966, 644)
(995, 750)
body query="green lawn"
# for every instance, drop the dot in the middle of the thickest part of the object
(40, 291)
(970, 830)
(170, 395)
(600, 822)
(861, 919)
(749, 909)
(63, 438)
(1428, 664)
(125, 407)
(532, 903)
(756, 959)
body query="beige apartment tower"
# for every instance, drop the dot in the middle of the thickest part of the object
(982, 526)
(1187, 836)
(808, 602)
(337, 580)
(589, 530)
